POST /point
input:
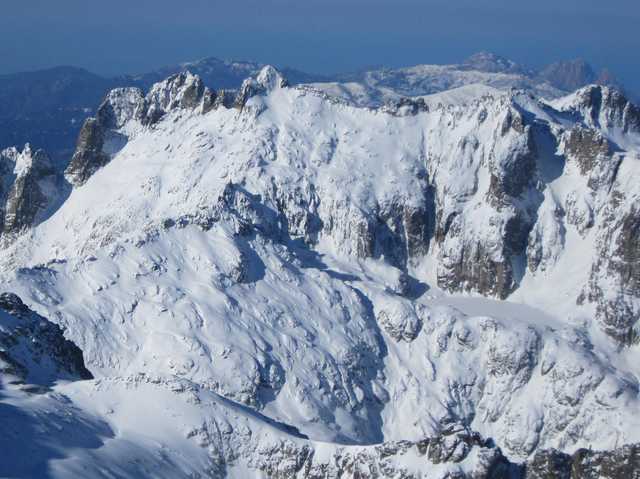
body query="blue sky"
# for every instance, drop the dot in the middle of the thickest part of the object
(118, 36)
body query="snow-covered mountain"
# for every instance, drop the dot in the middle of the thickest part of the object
(378, 86)
(48, 107)
(277, 283)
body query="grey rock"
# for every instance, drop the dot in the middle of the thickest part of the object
(181, 91)
(399, 319)
(486, 268)
(34, 350)
(617, 268)
(488, 261)
(585, 147)
(100, 137)
(89, 156)
(30, 187)
(606, 108)
(266, 80)
(288, 460)
(621, 463)
(453, 446)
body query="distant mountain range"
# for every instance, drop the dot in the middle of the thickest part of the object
(48, 107)
(378, 86)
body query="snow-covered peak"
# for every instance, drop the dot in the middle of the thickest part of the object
(374, 88)
(179, 91)
(270, 78)
(24, 161)
(605, 109)
(126, 111)
(27, 160)
(266, 81)
(120, 106)
(463, 95)
(183, 90)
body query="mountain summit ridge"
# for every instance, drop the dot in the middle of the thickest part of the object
(47, 108)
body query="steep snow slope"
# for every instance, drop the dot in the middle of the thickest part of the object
(285, 281)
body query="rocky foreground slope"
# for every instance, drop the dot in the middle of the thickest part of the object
(276, 283)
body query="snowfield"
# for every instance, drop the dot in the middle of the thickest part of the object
(293, 286)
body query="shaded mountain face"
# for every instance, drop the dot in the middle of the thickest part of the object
(34, 351)
(569, 75)
(268, 279)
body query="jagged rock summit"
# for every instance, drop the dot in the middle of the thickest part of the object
(101, 137)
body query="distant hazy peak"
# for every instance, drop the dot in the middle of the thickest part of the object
(568, 75)
(491, 63)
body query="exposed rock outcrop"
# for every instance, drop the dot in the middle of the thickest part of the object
(621, 463)
(614, 284)
(267, 80)
(605, 108)
(182, 91)
(89, 156)
(100, 137)
(455, 453)
(491, 63)
(30, 188)
(482, 230)
(34, 350)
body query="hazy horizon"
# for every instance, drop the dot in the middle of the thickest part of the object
(125, 37)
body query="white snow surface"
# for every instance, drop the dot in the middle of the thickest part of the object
(376, 87)
(210, 344)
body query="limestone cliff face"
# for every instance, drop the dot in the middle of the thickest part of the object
(614, 283)
(31, 187)
(89, 155)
